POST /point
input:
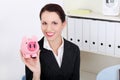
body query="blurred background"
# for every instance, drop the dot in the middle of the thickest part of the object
(18, 18)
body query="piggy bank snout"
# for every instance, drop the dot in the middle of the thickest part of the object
(32, 46)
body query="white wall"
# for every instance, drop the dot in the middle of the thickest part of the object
(17, 19)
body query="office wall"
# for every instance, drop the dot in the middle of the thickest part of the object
(17, 19)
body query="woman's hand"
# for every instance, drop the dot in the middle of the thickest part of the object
(33, 64)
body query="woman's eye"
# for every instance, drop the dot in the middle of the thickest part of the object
(55, 23)
(44, 23)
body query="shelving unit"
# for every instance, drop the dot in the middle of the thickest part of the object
(95, 33)
(93, 15)
(93, 62)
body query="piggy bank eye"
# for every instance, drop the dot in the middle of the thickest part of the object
(26, 42)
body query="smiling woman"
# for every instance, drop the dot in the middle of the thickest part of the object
(58, 58)
(52, 25)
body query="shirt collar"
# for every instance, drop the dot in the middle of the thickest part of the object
(47, 46)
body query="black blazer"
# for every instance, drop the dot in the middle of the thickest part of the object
(70, 68)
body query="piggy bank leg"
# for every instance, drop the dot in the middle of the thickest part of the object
(34, 55)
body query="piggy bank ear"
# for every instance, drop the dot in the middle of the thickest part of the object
(34, 38)
(24, 39)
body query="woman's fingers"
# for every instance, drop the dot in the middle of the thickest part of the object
(29, 60)
(32, 63)
(38, 54)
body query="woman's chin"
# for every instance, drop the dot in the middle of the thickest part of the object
(50, 38)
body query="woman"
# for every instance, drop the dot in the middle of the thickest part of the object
(58, 58)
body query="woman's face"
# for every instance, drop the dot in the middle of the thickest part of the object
(51, 25)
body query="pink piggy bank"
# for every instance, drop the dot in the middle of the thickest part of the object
(29, 47)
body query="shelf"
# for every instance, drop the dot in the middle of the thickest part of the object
(92, 64)
(94, 36)
(102, 54)
(93, 15)
(87, 76)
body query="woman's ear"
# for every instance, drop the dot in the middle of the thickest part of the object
(64, 24)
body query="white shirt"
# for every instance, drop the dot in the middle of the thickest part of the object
(60, 51)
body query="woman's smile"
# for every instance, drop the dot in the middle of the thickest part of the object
(50, 34)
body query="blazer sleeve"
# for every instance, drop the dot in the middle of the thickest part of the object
(29, 74)
(76, 72)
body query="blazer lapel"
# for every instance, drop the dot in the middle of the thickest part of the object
(48, 57)
(65, 55)
(50, 60)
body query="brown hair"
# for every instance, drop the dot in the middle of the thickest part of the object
(54, 8)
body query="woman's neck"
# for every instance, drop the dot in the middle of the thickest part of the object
(55, 44)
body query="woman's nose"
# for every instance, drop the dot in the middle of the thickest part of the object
(49, 28)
